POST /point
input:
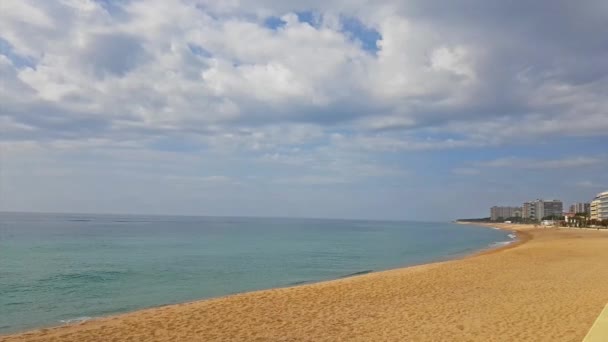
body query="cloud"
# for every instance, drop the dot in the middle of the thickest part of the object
(522, 163)
(317, 90)
(121, 65)
(112, 54)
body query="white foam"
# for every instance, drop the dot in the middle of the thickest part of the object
(512, 236)
(501, 243)
(75, 320)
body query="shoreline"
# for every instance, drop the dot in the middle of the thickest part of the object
(500, 245)
(521, 238)
(526, 236)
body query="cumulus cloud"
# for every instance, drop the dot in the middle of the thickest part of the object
(315, 80)
(121, 67)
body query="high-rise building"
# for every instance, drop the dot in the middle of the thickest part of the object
(594, 209)
(580, 208)
(599, 206)
(497, 213)
(529, 210)
(537, 209)
(552, 208)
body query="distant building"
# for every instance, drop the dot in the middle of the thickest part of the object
(537, 209)
(497, 213)
(594, 209)
(569, 216)
(574, 221)
(552, 208)
(529, 210)
(599, 206)
(517, 212)
(580, 208)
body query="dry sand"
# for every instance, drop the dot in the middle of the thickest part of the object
(550, 288)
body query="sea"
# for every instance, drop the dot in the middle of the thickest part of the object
(63, 268)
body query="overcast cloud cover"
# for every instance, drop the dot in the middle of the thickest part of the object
(357, 109)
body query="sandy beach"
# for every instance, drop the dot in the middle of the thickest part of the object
(549, 287)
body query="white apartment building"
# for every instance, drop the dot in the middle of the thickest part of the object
(599, 206)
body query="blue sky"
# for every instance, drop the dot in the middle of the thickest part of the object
(393, 109)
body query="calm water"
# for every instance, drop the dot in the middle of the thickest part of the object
(61, 268)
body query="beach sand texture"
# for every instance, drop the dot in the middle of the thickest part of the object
(550, 288)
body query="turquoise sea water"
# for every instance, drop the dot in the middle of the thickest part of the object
(57, 268)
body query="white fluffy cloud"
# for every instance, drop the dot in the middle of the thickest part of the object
(314, 81)
(136, 67)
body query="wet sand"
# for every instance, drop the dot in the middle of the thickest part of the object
(549, 287)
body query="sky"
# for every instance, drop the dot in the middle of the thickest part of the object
(412, 109)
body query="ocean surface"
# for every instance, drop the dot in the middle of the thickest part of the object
(61, 268)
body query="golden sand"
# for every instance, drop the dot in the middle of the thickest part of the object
(549, 288)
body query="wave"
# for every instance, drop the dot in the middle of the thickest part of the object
(298, 282)
(500, 243)
(76, 320)
(16, 303)
(75, 279)
(511, 236)
(357, 273)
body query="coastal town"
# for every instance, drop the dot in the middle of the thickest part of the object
(592, 214)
